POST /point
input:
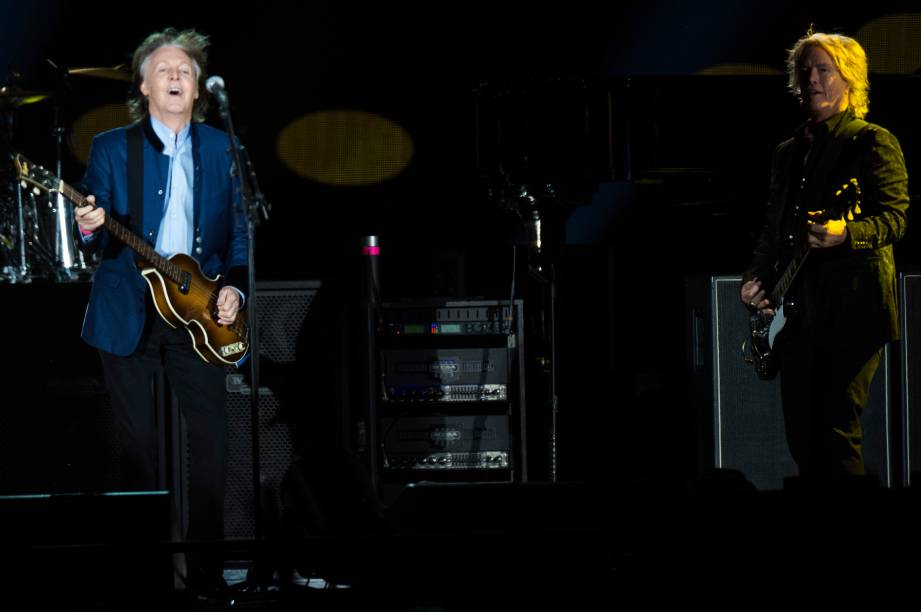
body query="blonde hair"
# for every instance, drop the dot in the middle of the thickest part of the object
(850, 59)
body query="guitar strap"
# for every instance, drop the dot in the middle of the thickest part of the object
(136, 176)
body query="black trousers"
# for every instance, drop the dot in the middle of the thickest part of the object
(199, 388)
(825, 386)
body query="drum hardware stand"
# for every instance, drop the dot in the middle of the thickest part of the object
(67, 258)
(19, 272)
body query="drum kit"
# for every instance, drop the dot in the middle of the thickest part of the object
(38, 237)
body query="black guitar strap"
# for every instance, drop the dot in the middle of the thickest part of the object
(136, 177)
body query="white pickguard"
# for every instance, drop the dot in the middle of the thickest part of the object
(777, 324)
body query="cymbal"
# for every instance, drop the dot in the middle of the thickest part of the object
(116, 73)
(19, 97)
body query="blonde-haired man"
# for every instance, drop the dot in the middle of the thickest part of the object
(841, 309)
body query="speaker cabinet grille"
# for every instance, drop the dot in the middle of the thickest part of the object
(282, 309)
(741, 416)
(910, 374)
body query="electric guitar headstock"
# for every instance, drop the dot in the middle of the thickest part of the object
(31, 174)
(42, 179)
(846, 205)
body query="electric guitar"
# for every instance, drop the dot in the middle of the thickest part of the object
(766, 329)
(182, 294)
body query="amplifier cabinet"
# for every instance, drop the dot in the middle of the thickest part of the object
(740, 417)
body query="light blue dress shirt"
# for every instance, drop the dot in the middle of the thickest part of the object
(175, 235)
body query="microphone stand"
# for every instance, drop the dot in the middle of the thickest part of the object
(253, 204)
(20, 270)
(542, 270)
(371, 311)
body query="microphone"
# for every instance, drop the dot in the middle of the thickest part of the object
(215, 85)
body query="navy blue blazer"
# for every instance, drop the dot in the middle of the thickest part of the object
(116, 310)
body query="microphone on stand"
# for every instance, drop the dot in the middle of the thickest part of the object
(529, 211)
(215, 86)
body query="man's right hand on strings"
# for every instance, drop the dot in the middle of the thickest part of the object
(753, 296)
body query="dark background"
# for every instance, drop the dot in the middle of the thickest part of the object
(661, 171)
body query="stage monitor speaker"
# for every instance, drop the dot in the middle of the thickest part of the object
(58, 437)
(910, 374)
(56, 430)
(282, 309)
(95, 551)
(741, 423)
